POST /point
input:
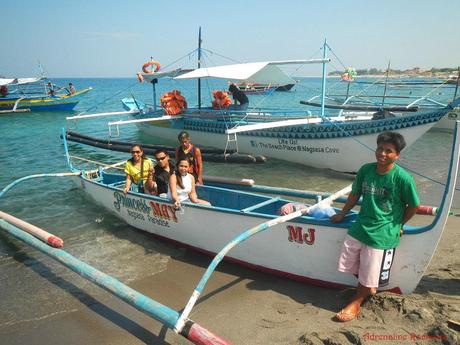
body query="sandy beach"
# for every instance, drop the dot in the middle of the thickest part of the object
(249, 307)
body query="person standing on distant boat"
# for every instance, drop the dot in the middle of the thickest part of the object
(137, 169)
(72, 90)
(163, 170)
(389, 201)
(51, 90)
(192, 153)
(4, 90)
(239, 97)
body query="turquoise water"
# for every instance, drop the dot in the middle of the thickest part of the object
(30, 144)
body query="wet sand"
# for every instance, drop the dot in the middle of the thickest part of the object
(249, 307)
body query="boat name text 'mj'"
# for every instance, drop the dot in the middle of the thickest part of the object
(297, 235)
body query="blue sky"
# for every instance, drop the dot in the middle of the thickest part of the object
(95, 38)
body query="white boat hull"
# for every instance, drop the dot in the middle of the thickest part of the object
(447, 123)
(303, 250)
(345, 154)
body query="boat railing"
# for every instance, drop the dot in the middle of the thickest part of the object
(429, 100)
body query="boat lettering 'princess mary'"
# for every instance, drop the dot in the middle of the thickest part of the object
(304, 248)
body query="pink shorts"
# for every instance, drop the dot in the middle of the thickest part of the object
(372, 266)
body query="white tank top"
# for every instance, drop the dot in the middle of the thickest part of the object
(182, 193)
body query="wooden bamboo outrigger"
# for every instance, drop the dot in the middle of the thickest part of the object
(167, 316)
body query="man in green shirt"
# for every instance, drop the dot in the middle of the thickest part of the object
(389, 200)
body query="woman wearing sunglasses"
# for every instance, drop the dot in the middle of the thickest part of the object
(137, 169)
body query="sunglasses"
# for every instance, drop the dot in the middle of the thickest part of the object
(160, 158)
(135, 151)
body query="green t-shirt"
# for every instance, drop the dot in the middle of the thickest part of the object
(385, 197)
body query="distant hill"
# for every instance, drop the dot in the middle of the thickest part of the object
(413, 72)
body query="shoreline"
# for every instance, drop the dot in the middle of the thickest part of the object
(248, 307)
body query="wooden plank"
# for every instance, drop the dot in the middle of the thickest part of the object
(455, 325)
(273, 124)
(260, 204)
(363, 107)
(152, 119)
(79, 117)
(14, 111)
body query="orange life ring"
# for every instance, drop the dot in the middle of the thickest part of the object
(150, 63)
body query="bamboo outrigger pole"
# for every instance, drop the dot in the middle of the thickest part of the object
(199, 66)
(323, 81)
(240, 238)
(14, 183)
(192, 331)
(41, 234)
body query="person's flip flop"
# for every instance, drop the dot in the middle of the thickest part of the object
(345, 316)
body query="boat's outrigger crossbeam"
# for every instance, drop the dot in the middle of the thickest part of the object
(152, 119)
(113, 113)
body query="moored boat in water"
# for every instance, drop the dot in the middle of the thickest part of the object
(305, 248)
(33, 94)
(341, 143)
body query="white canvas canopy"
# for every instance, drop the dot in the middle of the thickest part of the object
(18, 81)
(266, 72)
(164, 74)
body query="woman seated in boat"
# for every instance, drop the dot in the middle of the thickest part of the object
(182, 186)
(137, 169)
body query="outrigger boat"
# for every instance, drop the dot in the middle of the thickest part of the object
(379, 100)
(341, 143)
(301, 247)
(31, 94)
(252, 88)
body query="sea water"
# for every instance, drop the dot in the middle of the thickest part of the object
(33, 286)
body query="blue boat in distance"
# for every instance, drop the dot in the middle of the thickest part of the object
(36, 94)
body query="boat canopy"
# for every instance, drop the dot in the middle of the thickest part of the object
(18, 81)
(166, 74)
(256, 72)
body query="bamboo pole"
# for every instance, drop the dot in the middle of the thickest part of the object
(89, 116)
(167, 316)
(242, 237)
(14, 183)
(41, 234)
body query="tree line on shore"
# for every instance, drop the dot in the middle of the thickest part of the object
(416, 71)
